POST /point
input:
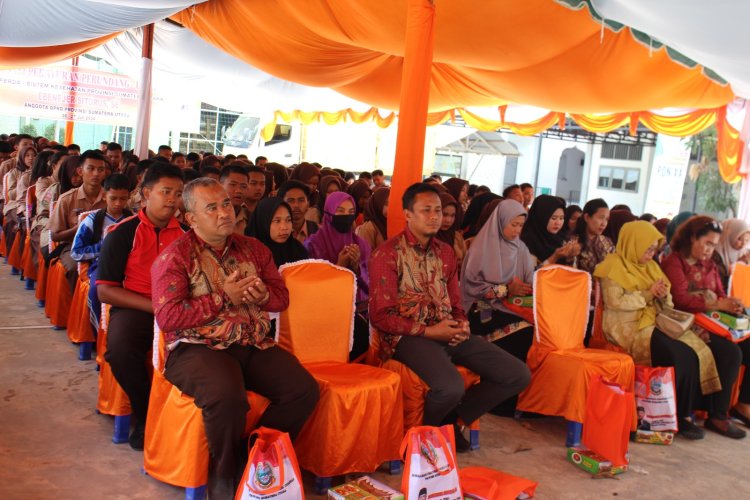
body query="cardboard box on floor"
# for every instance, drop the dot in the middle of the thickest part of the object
(593, 463)
(364, 488)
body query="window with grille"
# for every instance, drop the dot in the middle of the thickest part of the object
(629, 152)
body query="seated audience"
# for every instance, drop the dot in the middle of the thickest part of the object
(732, 248)
(572, 214)
(113, 154)
(297, 196)
(124, 281)
(459, 190)
(528, 195)
(650, 218)
(211, 172)
(375, 228)
(63, 222)
(336, 242)
(497, 266)
(449, 227)
(469, 224)
(328, 184)
(234, 178)
(589, 230)
(22, 162)
(543, 233)
(87, 242)
(415, 307)
(675, 223)
(513, 192)
(165, 152)
(256, 182)
(617, 218)
(216, 332)
(378, 179)
(697, 288)
(308, 174)
(367, 178)
(178, 159)
(271, 224)
(361, 192)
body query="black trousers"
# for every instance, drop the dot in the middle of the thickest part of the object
(130, 337)
(728, 358)
(502, 376)
(668, 352)
(219, 379)
(665, 352)
(745, 387)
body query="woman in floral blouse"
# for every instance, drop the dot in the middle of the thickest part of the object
(697, 288)
(594, 246)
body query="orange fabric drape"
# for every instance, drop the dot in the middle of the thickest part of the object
(415, 98)
(357, 48)
(26, 57)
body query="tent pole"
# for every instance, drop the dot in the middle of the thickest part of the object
(413, 106)
(69, 124)
(144, 94)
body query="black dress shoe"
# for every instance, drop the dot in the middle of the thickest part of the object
(462, 445)
(731, 430)
(137, 437)
(689, 430)
(739, 416)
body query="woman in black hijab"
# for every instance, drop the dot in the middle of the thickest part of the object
(271, 223)
(543, 232)
(471, 217)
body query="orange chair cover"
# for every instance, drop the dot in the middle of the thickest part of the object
(175, 449)
(27, 264)
(3, 246)
(497, 485)
(560, 366)
(111, 399)
(79, 322)
(358, 423)
(414, 389)
(41, 279)
(58, 295)
(14, 257)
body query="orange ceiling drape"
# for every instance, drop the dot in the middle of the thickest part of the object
(27, 57)
(489, 53)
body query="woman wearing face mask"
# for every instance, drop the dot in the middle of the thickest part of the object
(449, 227)
(542, 233)
(375, 228)
(498, 265)
(732, 248)
(594, 246)
(336, 242)
(634, 291)
(697, 288)
(271, 223)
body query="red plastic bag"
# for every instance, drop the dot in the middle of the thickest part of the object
(272, 470)
(484, 483)
(430, 458)
(609, 415)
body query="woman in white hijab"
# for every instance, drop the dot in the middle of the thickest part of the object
(732, 247)
(499, 265)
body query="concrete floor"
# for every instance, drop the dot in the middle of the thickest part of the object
(54, 445)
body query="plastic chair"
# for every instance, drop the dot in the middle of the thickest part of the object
(358, 422)
(111, 398)
(14, 256)
(41, 283)
(27, 263)
(561, 366)
(415, 389)
(58, 296)
(175, 449)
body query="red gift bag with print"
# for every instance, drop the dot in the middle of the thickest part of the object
(608, 418)
(430, 458)
(272, 470)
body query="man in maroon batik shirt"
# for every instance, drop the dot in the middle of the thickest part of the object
(415, 306)
(213, 291)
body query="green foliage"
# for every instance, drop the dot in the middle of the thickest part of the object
(30, 129)
(716, 195)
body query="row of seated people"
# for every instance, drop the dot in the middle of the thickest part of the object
(481, 292)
